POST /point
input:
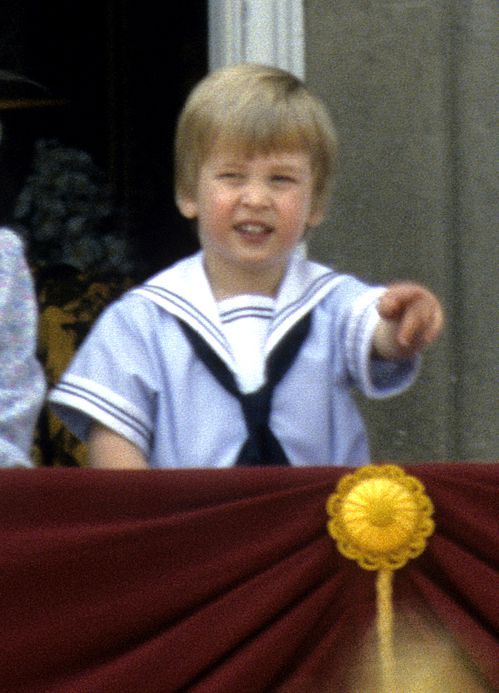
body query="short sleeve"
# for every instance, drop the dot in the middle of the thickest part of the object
(111, 379)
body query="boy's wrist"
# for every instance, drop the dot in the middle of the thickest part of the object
(386, 344)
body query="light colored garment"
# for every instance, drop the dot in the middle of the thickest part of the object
(245, 321)
(22, 384)
(137, 374)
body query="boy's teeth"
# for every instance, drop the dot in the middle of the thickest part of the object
(252, 228)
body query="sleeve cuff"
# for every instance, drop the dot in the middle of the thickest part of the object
(376, 378)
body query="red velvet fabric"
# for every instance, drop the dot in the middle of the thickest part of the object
(222, 581)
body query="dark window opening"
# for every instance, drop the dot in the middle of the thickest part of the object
(114, 76)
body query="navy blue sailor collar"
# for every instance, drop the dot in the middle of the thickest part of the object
(183, 290)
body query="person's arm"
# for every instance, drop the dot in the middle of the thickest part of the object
(109, 450)
(22, 383)
(411, 319)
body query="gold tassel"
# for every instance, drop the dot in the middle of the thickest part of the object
(384, 626)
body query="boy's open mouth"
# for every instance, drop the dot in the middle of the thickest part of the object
(252, 229)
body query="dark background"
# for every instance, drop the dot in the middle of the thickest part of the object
(115, 74)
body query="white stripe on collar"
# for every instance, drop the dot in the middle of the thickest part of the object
(184, 291)
(304, 285)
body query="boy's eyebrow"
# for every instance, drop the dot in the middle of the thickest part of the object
(293, 170)
(282, 165)
(228, 160)
(287, 166)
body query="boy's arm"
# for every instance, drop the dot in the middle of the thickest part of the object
(109, 450)
(411, 319)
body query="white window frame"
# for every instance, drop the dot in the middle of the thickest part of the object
(257, 31)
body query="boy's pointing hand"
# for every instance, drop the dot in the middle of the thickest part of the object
(411, 319)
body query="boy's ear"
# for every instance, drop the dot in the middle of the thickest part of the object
(187, 206)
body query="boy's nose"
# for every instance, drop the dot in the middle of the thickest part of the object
(255, 194)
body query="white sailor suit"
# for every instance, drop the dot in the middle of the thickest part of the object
(138, 374)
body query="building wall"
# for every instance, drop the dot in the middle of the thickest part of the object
(411, 86)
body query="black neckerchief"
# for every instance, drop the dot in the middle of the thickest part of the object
(261, 446)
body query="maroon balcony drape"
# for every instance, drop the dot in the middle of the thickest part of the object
(222, 581)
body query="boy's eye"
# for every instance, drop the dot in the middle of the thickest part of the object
(281, 178)
(229, 175)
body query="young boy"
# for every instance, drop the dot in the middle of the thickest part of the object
(246, 353)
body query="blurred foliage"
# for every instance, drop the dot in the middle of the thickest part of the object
(66, 214)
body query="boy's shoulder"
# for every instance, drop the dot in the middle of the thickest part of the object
(308, 279)
(181, 290)
(173, 281)
(183, 282)
(178, 273)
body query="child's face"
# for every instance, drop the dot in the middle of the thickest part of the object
(251, 214)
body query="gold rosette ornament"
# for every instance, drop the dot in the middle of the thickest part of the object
(381, 517)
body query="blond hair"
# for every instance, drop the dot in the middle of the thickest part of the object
(255, 109)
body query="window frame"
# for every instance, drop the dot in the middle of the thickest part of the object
(260, 31)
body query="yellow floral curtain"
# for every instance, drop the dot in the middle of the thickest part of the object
(69, 303)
